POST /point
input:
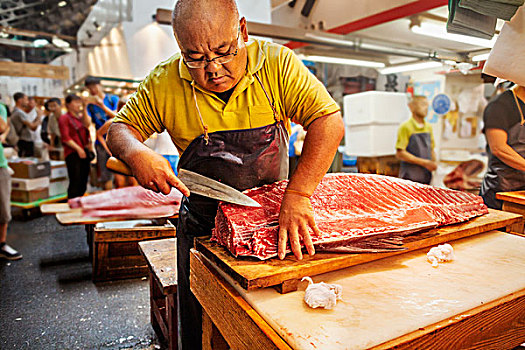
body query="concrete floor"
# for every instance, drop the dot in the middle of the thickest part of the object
(48, 301)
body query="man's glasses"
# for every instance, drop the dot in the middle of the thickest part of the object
(217, 60)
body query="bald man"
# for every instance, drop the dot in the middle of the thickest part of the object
(227, 102)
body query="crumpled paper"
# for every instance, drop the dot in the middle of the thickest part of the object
(322, 294)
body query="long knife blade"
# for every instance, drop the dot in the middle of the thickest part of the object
(197, 184)
(210, 188)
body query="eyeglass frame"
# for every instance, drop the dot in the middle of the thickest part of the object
(229, 57)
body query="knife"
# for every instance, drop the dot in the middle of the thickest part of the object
(196, 183)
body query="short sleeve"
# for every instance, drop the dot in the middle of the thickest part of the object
(140, 112)
(403, 136)
(497, 116)
(305, 97)
(64, 128)
(3, 112)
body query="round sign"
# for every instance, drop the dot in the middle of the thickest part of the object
(441, 104)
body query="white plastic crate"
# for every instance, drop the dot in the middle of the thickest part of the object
(370, 140)
(375, 107)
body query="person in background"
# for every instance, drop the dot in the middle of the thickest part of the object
(4, 112)
(101, 107)
(34, 112)
(54, 106)
(504, 129)
(6, 251)
(22, 126)
(77, 145)
(415, 144)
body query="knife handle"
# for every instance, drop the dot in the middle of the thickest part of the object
(118, 166)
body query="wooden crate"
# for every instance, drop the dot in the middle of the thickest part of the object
(116, 253)
(385, 165)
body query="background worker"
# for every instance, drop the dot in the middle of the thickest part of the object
(101, 107)
(222, 98)
(505, 132)
(415, 144)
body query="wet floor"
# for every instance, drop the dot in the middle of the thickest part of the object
(48, 301)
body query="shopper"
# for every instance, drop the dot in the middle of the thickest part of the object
(54, 107)
(78, 149)
(505, 132)
(33, 113)
(415, 144)
(23, 127)
(101, 107)
(226, 102)
(6, 251)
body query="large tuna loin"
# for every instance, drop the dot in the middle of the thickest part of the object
(348, 209)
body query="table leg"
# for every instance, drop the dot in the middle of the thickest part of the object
(211, 337)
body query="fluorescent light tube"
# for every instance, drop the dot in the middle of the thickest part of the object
(440, 32)
(347, 61)
(482, 57)
(411, 67)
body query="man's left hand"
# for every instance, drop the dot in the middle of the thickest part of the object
(295, 217)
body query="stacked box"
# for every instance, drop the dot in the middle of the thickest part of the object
(59, 180)
(30, 181)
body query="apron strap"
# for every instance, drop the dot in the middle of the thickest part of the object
(272, 104)
(519, 107)
(204, 126)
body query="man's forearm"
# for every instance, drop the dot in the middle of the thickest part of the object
(405, 156)
(73, 145)
(510, 157)
(321, 142)
(124, 142)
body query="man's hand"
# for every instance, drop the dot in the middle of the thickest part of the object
(294, 219)
(430, 165)
(81, 153)
(153, 171)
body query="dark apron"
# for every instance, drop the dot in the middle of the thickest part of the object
(240, 158)
(500, 177)
(420, 145)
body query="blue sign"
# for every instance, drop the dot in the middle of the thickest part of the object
(441, 104)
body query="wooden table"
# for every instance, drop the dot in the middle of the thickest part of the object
(476, 301)
(514, 202)
(161, 256)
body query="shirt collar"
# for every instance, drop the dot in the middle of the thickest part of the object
(255, 55)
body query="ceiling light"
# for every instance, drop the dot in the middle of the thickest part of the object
(347, 61)
(410, 67)
(482, 57)
(62, 3)
(40, 43)
(59, 42)
(440, 32)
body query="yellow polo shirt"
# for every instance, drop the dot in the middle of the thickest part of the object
(164, 100)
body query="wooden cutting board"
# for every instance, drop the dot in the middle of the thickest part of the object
(517, 197)
(252, 273)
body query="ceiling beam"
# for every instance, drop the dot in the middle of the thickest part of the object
(17, 69)
(34, 33)
(381, 17)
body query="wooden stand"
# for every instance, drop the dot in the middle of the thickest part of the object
(116, 252)
(514, 202)
(385, 165)
(161, 257)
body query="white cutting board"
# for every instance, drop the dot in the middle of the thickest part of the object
(388, 298)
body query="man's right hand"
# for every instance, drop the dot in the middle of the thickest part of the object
(430, 165)
(153, 171)
(81, 153)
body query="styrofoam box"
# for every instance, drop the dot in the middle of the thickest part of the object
(58, 187)
(371, 140)
(375, 107)
(29, 184)
(58, 169)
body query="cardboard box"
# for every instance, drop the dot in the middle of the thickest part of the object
(29, 196)
(58, 169)
(30, 168)
(58, 186)
(29, 184)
